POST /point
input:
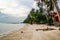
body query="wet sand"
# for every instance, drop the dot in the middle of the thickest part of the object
(29, 32)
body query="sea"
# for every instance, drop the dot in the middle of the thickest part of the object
(8, 27)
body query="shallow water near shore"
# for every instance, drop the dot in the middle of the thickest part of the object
(5, 27)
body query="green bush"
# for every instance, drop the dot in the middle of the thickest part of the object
(50, 20)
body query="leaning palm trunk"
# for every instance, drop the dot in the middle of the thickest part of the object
(56, 5)
(57, 9)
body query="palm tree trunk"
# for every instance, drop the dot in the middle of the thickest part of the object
(56, 5)
(57, 9)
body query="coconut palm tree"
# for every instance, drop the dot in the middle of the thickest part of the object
(42, 3)
(56, 5)
(50, 4)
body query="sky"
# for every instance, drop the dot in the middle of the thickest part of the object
(16, 8)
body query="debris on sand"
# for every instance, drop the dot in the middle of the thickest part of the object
(46, 29)
(21, 31)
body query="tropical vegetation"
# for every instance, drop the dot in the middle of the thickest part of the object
(41, 15)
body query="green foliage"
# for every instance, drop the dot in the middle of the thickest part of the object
(30, 17)
(35, 17)
(50, 20)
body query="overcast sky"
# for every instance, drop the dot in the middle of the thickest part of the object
(17, 8)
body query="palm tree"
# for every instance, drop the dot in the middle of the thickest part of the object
(56, 5)
(50, 4)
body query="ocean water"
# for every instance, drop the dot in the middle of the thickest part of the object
(4, 27)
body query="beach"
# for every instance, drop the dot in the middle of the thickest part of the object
(34, 32)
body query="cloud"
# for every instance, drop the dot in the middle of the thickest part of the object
(18, 12)
(17, 8)
(5, 18)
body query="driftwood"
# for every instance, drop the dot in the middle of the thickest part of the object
(46, 29)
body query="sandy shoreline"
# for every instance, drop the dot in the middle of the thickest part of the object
(28, 32)
(8, 32)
